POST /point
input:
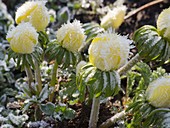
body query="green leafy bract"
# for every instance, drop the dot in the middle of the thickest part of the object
(150, 45)
(43, 40)
(63, 57)
(26, 60)
(97, 82)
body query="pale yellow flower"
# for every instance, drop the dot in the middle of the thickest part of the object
(114, 18)
(71, 36)
(34, 12)
(23, 38)
(158, 92)
(109, 51)
(163, 23)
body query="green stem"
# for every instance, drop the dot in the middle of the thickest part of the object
(94, 112)
(38, 77)
(53, 80)
(54, 74)
(29, 76)
(37, 113)
(129, 65)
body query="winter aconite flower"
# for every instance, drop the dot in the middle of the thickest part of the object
(158, 92)
(163, 24)
(71, 36)
(114, 18)
(34, 12)
(109, 51)
(23, 38)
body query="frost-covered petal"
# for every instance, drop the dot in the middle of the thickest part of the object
(71, 36)
(109, 51)
(158, 92)
(34, 12)
(24, 11)
(163, 23)
(114, 18)
(23, 38)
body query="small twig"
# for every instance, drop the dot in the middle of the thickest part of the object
(129, 65)
(142, 8)
(113, 119)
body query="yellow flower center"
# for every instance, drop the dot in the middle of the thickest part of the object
(97, 39)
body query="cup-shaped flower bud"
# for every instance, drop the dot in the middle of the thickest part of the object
(163, 24)
(150, 45)
(114, 18)
(158, 92)
(109, 51)
(22, 38)
(34, 12)
(79, 66)
(71, 36)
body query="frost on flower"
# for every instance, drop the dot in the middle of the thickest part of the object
(34, 12)
(71, 36)
(22, 38)
(158, 92)
(114, 18)
(163, 23)
(109, 51)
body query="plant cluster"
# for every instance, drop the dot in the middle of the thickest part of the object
(83, 63)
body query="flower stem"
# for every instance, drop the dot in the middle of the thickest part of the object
(38, 77)
(29, 76)
(94, 112)
(54, 74)
(129, 65)
(121, 71)
(53, 80)
(96, 101)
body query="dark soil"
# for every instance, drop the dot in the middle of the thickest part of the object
(83, 113)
